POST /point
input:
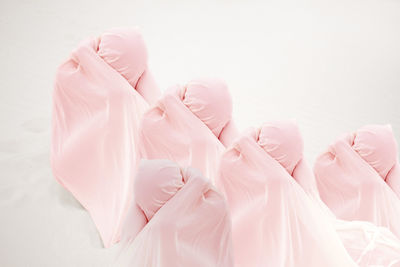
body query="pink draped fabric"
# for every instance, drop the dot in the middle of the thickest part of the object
(172, 216)
(100, 94)
(366, 243)
(274, 222)
(186, 222)
(190, 125)
(358, 177)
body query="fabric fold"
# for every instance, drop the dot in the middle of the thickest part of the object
(187, 221)
(366, 243)
(274, 222)
(99, 98)
(358, 177)
(187, 124)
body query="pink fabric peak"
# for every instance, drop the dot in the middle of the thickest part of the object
(210, 101)
(377, 146)
(125, 51)
(155, 185)
(283, 141)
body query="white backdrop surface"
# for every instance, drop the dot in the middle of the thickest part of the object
(333, 66)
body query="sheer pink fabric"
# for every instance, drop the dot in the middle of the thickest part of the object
(358, 177)
(186, 222)
(274, 222)
(190, 125)
(100, 94)
(366, 243)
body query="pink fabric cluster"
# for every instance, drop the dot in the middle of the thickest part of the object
(172, 180)
(358, 177)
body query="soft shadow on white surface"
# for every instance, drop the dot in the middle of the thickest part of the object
(331, 65)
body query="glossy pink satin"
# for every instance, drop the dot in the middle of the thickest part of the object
(186, 222)
(100, 94)
(358, 177)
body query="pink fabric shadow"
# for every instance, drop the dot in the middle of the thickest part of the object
(100, 95)
(358, 177)
(274, 222)
(186, 222)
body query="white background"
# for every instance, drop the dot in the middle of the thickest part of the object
(331, 65)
